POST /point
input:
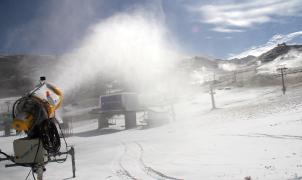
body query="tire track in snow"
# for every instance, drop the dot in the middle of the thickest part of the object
(263, 135)
(149, 170)
(130, 165)
(121, 171)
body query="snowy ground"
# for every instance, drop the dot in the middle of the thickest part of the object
(254, 132)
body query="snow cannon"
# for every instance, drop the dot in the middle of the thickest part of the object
(36, 106)
(34, 114)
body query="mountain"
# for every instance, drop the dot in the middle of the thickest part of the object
(280, 50)
(246, 60)
(197, 62)
(19, 72)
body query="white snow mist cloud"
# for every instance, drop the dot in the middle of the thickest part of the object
(134, 47)
(228, 66)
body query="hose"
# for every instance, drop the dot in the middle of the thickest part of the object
(49, 136)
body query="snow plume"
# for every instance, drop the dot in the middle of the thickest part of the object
(133, 47)
(228, 66)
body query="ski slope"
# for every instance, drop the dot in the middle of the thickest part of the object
(254, 132)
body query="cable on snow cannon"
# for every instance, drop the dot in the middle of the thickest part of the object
(34, 114)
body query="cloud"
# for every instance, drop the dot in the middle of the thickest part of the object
(226, 30)
(228, 37)
(235, 17)
(274, 41)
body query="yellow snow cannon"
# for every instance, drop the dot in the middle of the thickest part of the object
(36, 106)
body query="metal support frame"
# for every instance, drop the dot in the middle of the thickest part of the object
(130, 119)
(103, 121)
(40, 168)
(71, 152)
(104, 116)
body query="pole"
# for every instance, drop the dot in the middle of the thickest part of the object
(72, 153)
(212, 97)
(8, 104)
(7, 122)
(283, 84)
(283, 79)
(212, 92)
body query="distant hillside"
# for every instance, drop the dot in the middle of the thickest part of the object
(199, 62)
(246, 60)
(18, 73)
(280, 50)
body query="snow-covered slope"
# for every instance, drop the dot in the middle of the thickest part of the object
(291, 60)
(254, 132)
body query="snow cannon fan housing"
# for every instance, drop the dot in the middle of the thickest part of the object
(38, 105)
(119, 102)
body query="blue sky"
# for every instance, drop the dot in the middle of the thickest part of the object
(217, 28)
